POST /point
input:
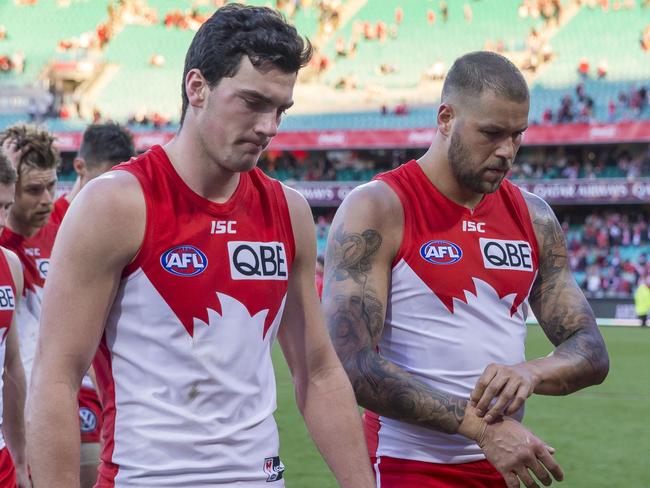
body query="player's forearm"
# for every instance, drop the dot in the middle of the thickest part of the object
(332, 417)
(581, 360)
(388, 390)
(53, 435)
(14, 411)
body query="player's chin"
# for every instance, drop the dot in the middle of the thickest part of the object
(247, 162)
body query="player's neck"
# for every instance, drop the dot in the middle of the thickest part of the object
(436, 167)
(207, 179)
(19, 227)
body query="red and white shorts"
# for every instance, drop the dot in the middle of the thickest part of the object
(404, 473)
(7, 470)
(90, 415)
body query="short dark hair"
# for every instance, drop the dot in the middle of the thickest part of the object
(8, 175)
(106, 143)
(236, 30)
(36, 147)
(478, 71)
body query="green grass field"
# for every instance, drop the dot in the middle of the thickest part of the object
(602, 434)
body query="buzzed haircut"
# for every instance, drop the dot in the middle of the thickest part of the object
(237, 30)
(8, 175)
(479, 71)
(106, 143)
(36, 147)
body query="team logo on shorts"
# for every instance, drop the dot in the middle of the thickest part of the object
(273, 468)
(88, 419)
(441, 252)
(184, 261)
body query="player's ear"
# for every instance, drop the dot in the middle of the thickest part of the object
(196, 87)
(79, 165)
(445, 118)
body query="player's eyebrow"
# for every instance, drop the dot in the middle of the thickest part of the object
(263, 98)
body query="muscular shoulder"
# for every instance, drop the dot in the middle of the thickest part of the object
(373, 207)
(550, 237)
(540, 211)
(16, 269)
(109, 213)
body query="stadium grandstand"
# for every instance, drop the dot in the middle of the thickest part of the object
(366, 102)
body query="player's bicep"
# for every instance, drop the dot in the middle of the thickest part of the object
(360, 250)
(99, 236)
(557, 302)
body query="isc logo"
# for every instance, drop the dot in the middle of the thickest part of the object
(441, 252)
(223, 227)
(7, 300)
(184, 261)
(511, 255)
(257, 260)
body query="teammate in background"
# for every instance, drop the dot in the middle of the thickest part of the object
(102, 147)
(430, 272)
(32, 153)
(13, 465)
(184, 264)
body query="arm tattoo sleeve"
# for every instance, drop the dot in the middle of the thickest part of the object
(561, 307)
(355, 316)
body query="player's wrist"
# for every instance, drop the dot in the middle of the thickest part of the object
(473, 427)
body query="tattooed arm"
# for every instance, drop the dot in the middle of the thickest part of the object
(580, 358)
(364, 239)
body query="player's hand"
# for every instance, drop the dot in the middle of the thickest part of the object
(22, 476)
(509, 385)
(11, 151)
(516, 452)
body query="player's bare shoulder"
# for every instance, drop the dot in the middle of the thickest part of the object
(16, 269)
(547, 228)
(373, 207)
(109, 213)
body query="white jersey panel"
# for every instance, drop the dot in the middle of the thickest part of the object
(28, 317)
(447, 351)
(3, 351)
(190, 411)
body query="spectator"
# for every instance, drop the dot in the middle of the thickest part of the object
(642, 300)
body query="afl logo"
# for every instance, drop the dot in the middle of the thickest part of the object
(441, 252)
(184, 261)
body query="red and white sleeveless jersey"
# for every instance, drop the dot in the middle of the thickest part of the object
(458, 301)
(7, 308)
(184, 366)
(34, 254)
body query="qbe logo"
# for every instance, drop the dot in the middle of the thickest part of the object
(273, 468)
(184, 261)
(511, 255)
(7, 298)
(441, 252)
(43, 265)
(257, 260)
(87, 419)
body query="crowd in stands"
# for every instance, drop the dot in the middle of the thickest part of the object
(538, 164)
(580, 107)
(600, 257)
